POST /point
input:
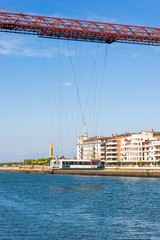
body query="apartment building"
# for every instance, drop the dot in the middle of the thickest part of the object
(90, 148)
(113, 149)
(126, 148)
(154, 153)
(132, 146)
(151, 149)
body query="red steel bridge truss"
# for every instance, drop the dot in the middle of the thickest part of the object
(60, 28)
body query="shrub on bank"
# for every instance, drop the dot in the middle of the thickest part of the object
(119, 163)
(11, 164)
(28, 161)
(134, 163)
(40, 161)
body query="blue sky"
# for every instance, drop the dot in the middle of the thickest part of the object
(39, 102)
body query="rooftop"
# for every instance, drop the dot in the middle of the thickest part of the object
(96, 138)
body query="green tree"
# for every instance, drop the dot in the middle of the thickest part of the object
(28, 161)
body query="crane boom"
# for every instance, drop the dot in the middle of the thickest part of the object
(60, 28)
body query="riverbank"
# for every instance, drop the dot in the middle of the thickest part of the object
(27, 169)
(119, 172)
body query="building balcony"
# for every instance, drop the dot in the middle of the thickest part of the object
(111, 157)
(102, 154)
(111, 147)
(157, 154)
(110, 160)
(129, 150)
(111, 143)
(103, 149)
(111, 154)
(103, 145)
(111, 151)
(157, 144)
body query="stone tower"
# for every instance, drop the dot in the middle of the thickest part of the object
(51, 152)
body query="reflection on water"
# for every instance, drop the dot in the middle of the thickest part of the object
(76, 187)
(74, 207)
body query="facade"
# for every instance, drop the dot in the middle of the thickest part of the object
(113, 149)
(132, 146)
(91, 148)
(127, 148)
(151, 151)
(154, 153)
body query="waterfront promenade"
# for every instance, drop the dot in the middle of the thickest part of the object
(110, 171)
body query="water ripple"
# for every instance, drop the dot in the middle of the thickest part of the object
(74, 207)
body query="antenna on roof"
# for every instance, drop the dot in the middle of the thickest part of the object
(85, 129)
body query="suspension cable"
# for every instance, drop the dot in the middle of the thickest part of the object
(79, 100)
(9, 10)
(105, 60)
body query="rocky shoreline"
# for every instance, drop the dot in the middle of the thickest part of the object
(117, 172)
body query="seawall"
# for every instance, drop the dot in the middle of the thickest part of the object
(27, 169)
(117, 172)
(113, 172)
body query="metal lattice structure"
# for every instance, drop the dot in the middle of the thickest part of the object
(78, 30)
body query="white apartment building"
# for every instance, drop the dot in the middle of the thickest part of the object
(154, 154)
(91, 148)
(151, 150)
(132, 146)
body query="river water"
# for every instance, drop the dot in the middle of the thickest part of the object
(78, 207)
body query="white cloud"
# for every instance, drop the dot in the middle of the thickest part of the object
(19, 47)
(66, 52)
(98, 18)
(134, 55)
(67, 84)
